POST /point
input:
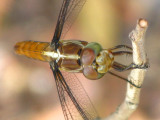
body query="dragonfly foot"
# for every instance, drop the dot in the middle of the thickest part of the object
(143, 66)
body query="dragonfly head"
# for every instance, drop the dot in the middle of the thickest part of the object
(95, 61)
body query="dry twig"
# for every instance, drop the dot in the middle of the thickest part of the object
(131, 101)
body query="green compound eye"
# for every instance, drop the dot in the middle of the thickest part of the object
(90, 52)
(94, 46)
(88, 57)
(91, 73)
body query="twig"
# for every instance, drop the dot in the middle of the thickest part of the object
(130, 104)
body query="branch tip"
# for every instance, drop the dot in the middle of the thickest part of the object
(142, 23)
(131, 101)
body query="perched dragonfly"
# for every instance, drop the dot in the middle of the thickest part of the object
(74, 56)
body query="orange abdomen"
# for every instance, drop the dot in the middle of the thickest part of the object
(33, 49)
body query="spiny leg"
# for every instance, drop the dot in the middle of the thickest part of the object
(120, 67)
(124, 79)
(118, 53)
(121, 46)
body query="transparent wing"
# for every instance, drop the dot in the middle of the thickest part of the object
(68, 13)
(74, 9)
(75, 102)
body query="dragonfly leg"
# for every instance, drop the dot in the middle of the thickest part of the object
(125, 79)
(121, 46)
(120, 67)
(118, 53)
(143, 66)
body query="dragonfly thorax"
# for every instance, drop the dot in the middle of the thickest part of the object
(95, 61)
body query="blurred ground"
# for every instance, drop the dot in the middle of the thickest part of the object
(27, 87)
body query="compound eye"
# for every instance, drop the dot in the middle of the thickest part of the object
(87, 56)
(90, 73)
(90, 52)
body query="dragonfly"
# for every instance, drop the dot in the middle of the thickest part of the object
(67, 57)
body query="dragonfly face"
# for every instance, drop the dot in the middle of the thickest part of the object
(73, 56)
(95, 61)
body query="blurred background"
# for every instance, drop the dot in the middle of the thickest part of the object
(27, 87)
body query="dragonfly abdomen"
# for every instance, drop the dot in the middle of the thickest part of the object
(36, 50)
